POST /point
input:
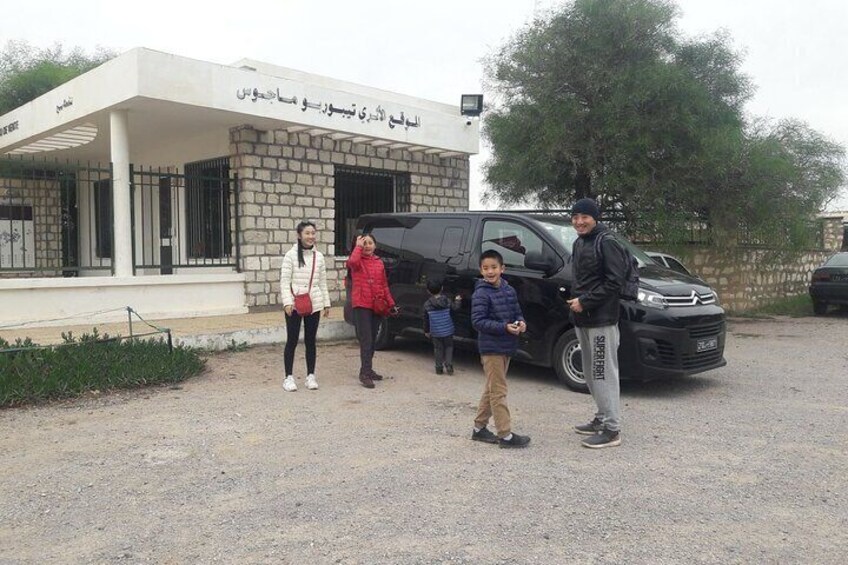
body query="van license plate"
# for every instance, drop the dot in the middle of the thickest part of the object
(707, 344)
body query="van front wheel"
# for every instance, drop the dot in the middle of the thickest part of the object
(568, 362)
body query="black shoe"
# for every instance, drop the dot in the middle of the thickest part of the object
(449, 369)
(374, 375)
(439, 370)
(590, 429)
(366, 380)
(604, 439)
(484, 435)
(515, 441)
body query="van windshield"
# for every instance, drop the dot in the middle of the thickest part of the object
(562, 230)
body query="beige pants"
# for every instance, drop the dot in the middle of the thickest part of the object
(493, 401)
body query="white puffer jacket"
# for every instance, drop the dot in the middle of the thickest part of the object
(294, 276)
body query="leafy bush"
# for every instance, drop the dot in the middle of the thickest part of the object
(92, 362)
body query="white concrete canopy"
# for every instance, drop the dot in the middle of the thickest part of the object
(160, 112)
(171, 99)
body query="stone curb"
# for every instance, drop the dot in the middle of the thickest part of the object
(336, 330)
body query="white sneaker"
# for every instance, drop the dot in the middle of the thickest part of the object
(289, 385)
(311, 383)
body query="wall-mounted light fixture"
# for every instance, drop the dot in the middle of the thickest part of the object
(471, 105)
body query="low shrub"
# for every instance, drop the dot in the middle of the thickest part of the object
(92, 362)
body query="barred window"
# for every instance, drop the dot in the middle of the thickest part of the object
(365, 191)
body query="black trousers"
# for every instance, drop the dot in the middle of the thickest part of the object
(367, 324)
(293, 335)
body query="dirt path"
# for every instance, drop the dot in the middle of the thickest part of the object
(745, 464)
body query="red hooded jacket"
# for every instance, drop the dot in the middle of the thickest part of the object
(369, 279)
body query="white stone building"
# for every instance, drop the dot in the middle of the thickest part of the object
(173, 185)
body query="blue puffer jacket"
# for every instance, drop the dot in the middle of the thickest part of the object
(492, 308)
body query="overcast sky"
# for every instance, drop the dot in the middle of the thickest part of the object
(794, 50)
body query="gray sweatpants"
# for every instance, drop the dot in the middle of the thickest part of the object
(599, 347)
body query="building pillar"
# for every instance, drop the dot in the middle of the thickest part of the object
(121, 210)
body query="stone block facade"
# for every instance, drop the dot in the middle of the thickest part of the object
(286, 177)
(43, 253)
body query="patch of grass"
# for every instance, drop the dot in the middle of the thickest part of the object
(793, 306)
(235, 347)
(91, 362)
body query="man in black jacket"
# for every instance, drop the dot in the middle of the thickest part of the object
(595, 310)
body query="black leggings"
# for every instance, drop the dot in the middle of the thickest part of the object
(293, 335)
(367, 325)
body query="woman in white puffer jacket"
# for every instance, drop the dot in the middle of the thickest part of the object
(301, 264)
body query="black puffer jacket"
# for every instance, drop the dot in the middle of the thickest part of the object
(598, 289)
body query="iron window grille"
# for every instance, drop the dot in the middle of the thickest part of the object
(361, 191)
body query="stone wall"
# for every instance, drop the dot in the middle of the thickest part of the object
(286, 177)
(833, 232)
(44, 198)
(747, 278)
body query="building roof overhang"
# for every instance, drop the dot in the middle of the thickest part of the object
(171, 97)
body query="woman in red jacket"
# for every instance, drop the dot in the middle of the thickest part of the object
(371, 301)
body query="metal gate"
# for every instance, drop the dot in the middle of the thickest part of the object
(55, 218)
(185, 220)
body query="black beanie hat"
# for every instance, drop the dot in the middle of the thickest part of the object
(586, 206)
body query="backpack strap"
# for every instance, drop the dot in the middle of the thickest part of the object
(599, 250)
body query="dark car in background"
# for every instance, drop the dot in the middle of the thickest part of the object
(829, 284)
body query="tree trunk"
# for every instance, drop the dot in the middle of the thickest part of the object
(582, 184)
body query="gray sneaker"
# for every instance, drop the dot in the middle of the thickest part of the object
(590, 429)
(604, 439)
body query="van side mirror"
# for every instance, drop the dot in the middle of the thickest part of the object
(537, 261)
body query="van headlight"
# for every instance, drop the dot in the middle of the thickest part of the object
(651, 299)
(715, 295)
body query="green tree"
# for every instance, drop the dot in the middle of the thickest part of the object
(27, 72)
(604, 98)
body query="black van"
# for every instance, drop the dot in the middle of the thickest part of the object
(676, 327)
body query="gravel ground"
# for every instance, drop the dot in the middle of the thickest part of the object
(745, 464)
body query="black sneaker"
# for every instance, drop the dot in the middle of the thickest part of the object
(484, 435)
(515, 441)
(449, 369)
(604, 439)
(439, 370)
(590, 429)
(374, 375)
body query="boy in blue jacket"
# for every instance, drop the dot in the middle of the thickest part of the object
(497, 317)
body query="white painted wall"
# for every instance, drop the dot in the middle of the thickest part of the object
(107, 85)
(43, 302)
(176, 153)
